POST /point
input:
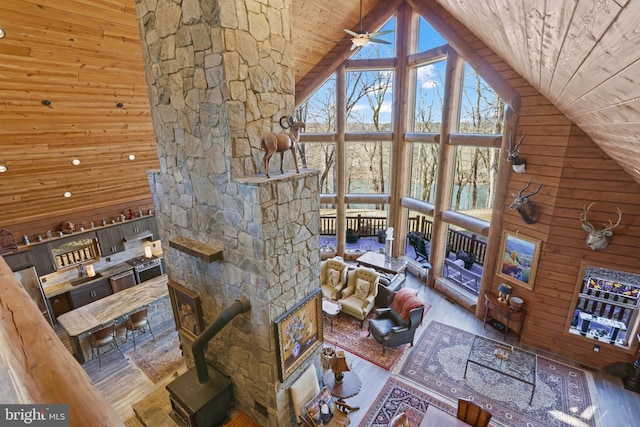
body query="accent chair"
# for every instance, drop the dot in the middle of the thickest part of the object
(397, 324)
(333, 277)
(358, 298)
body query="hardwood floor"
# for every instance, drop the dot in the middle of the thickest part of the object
(123, 384)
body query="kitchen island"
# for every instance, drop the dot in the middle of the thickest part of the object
(80, 322)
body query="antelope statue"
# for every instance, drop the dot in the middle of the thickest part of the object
(273, 143)
(518, 164)
(525, 207)
(598, 238)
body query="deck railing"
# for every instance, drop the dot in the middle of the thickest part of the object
(368, 226)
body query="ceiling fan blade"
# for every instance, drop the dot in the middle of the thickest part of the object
(352, 33)
(375, 40)
(379, 33)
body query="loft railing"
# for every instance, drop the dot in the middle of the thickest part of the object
(368, 226)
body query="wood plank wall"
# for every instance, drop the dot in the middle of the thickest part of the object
(85, 58)
(575, 172)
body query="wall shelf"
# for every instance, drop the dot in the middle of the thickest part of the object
(203, 251)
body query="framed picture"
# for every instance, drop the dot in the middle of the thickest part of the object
(187, 310)
(519, 260)
(298, 333)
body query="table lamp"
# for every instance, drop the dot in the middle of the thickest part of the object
(339, 366)
(504, 291)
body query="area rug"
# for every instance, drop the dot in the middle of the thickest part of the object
(349, 335)
(397, 396)
(159, 358)
(437, 362)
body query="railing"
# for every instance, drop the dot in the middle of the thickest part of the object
(367, 226)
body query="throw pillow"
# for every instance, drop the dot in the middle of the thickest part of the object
(362, 288)
(321, 408)
(334, 277)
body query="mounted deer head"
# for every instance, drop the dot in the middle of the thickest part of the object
(598, 238)
(518, 164)
(527, 209)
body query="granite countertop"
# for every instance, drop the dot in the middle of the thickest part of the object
(102, 311)
(56, 289)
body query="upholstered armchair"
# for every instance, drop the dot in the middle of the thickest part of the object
(333, 277)
(358, 298)
(397, 324)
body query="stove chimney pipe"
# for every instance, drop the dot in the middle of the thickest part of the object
(240, 305)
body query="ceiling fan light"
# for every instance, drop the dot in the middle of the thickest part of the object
(360, 41)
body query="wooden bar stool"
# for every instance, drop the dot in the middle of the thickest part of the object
(137, 321)
(103, 337)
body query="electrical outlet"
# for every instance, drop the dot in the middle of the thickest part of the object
(596, 348)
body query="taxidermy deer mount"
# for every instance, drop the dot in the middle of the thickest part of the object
(527, 209)
(518, 164)
(273, 143)
(598, 238)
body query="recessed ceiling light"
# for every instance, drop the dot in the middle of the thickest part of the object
(2, 33)
(3, 168)
(75, 162)
(132, 156)
(67, 194)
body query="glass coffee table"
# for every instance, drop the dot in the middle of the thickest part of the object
(504, 359)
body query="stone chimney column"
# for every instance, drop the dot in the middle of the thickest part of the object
(219, 74)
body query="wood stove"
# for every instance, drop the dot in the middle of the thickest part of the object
(202, 396)
(194, 404)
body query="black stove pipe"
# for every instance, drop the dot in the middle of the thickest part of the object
(240, 305)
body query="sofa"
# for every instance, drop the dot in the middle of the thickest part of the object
(397, 324)
(358, 298)
(333, 277)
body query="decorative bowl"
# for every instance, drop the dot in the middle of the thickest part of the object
(516, 303)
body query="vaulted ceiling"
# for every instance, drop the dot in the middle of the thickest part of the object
(583, 55)
(72, 84)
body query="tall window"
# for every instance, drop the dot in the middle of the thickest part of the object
(429, 93)
(424, 169)
(369, 101)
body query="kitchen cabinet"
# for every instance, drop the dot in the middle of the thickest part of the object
(18, 260)
(60, 304)
(90, 293)
(134, 226)
(42, 259)
(110, 240)
(153, 227)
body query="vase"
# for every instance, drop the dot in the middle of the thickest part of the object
(296, 350)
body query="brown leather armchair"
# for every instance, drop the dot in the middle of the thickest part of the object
(387, 288)
(397, 324)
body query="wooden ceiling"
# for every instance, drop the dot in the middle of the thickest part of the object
(84, 57)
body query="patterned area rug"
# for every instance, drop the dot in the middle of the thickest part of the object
(397, 396)
(160, 358)
(561, 397)
(349, 335)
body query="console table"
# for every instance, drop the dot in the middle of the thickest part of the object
(503, 314)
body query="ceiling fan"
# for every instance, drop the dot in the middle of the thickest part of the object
(362, 38)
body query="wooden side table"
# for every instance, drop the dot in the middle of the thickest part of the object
(511, 320)
(349, 387)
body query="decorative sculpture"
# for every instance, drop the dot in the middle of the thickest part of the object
(527, 209)
(598, 238)
(273, 143)
(518, 164)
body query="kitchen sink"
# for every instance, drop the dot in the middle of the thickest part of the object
(83, 280)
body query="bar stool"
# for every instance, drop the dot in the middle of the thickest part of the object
(137, 321)
(103, 337)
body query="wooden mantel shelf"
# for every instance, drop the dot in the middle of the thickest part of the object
(197, 249)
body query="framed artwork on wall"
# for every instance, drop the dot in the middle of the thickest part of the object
(298, 333)
(187, 310)
(518, 259)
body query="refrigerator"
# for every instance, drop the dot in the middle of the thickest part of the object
(31, 283)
